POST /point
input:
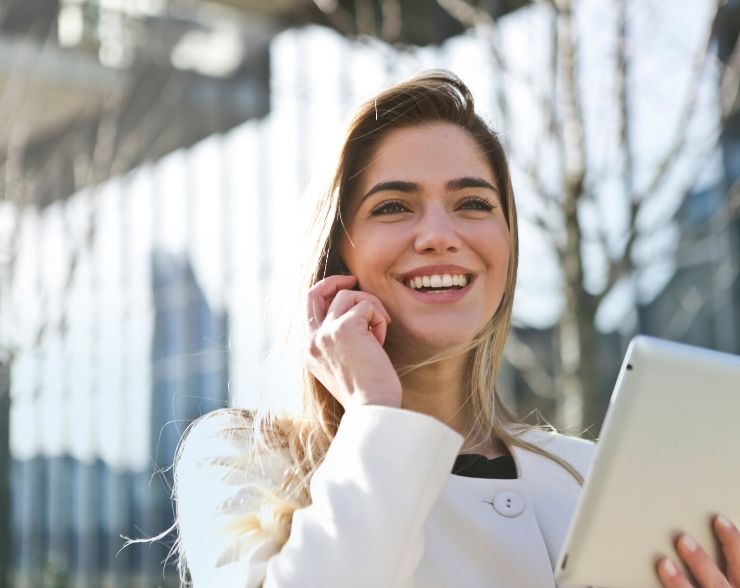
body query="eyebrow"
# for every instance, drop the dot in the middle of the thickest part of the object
(411, 187)
(469, 182)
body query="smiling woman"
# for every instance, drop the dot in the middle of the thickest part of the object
(426, 208)
(404, 468)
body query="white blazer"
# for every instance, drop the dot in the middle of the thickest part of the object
(385, 511)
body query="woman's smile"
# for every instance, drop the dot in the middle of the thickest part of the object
(438, 284)
(426, 234)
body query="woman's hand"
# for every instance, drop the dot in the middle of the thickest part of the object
(345, 349)
(705, 571)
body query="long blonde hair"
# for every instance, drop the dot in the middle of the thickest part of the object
(435, 96)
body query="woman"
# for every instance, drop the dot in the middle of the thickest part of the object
(409, 304)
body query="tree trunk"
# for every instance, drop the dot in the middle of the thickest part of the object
(569, 385)
(583, 402)
(582, 406)
(577, 341)
(5, 512)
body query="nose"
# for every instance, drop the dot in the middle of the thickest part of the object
(436, 232)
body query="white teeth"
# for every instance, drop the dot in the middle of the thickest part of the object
(437, 281)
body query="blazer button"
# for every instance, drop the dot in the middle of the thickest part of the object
(508, 503)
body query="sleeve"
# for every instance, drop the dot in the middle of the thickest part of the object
(370, 499)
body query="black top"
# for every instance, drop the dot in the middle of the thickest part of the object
(472, 465)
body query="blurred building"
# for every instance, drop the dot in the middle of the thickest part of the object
(90, 91)
(70, 514)
(701, 303)
(160, 159)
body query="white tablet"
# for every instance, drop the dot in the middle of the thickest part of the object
(668, 460)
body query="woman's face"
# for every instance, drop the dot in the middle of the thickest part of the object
(426, 234)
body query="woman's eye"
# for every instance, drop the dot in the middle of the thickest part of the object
(477, 203)
(389, 207)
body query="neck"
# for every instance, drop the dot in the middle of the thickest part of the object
(438, 390)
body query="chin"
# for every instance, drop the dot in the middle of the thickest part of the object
(434, 340)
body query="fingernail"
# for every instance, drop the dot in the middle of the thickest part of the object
(724, 521)
(687, 543)
(669, 568)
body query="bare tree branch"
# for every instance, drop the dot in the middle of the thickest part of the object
(733, 203)
(98, 168)
(681, 128)
(92, 165)
(365, 18)
(730, 84)
(541, 215)
(573, 147)
(624, 264)
(391, 27)
(482, 21)
(573, 127)
(338, 17)
(625, 125)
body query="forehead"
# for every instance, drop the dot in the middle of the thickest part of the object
(428, 154)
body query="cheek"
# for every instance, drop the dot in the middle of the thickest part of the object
(354, 255)
(495, 249)
(365, 266)
(496, 256)
(372, 254)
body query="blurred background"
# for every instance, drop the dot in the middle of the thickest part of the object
(155, 159)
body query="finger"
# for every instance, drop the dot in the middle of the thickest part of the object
(702, 567)
(378, 325)
(321, 295)
(346, 299)
(729, 537)
(379, 332)
(670, 576)
(368, 313)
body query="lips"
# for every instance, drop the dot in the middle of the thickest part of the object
(439, 283)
